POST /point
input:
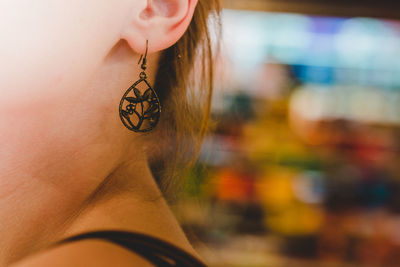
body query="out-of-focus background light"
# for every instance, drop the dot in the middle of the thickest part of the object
(303, 167)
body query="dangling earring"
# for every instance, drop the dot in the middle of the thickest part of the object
(140, 107)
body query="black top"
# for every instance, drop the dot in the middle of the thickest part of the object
(156, 251)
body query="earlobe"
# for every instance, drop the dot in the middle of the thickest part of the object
(162, 22)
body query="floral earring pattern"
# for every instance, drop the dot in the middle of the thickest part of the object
(140, 106)
(140, 112)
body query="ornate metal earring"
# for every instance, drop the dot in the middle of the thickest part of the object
(140, 106)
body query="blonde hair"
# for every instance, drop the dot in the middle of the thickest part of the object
(184, 82)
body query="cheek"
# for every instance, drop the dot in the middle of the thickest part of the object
(49, 50)
(50, 47)
(44, 47)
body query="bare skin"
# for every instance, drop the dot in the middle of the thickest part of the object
(67, 164)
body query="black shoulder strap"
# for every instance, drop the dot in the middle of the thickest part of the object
(156, 251)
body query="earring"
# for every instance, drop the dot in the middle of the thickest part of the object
(140, 106)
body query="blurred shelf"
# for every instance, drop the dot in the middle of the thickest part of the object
(351, 8)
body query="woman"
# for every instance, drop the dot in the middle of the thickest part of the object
(70, 162)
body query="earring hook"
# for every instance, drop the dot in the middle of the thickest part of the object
(145, 56)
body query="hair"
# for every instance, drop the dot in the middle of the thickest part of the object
(185, 83)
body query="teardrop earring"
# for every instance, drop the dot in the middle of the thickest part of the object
(140, 106)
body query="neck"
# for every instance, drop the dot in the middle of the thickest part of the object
(128, 199)
(132, 203)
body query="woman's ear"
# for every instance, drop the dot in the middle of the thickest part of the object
(162, 22)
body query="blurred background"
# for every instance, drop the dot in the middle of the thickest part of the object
(303, 168)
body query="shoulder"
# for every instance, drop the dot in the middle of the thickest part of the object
(86, 253)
